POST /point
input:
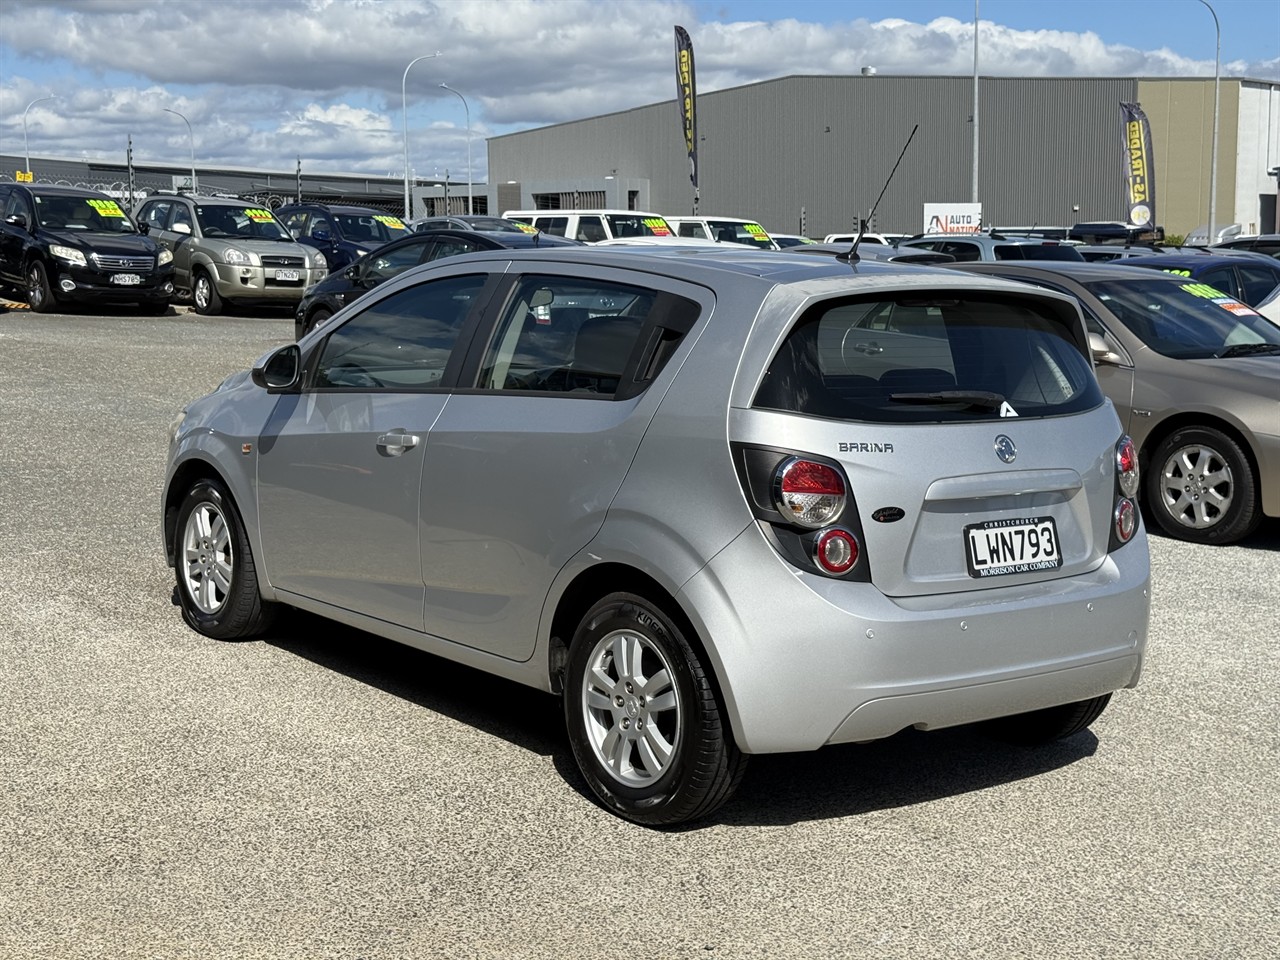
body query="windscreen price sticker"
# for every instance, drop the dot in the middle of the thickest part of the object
(107, 208)
(658, 226)
(392, 222)
(259, 216)
(756, 231)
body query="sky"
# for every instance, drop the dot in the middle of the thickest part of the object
(263, 84)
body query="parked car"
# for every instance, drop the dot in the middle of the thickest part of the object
(985, 246)
(1268, 243)
(882, 238)
(1246, 278)
(229, 251)
(785, 240)
(878, 251)
(71, 245)
(343, 233)
(591, 226)
(748, 233)
(678, 488)
(469, 222)
(1102, 231)
(331, 294)
(1195, 377)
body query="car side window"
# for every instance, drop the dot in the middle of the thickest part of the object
(567, 335)
(402, 342)
(156, 215)
(1220, 278)
(555, 226)
(695, 230)
(450, 247)
(1257, 281)
(296, 223)
(590, 229)
(182, 214)
(381, 266)
(320, 229)
(17, 204)
(963, 252)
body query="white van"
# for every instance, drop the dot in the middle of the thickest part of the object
(591, 226)
(724, 230)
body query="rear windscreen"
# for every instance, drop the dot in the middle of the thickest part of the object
(912, 360)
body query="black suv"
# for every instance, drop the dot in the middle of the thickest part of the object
(68, 244)
(341, 233)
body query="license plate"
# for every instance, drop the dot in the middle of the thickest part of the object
(126, 279)
(288, 275)
(999, 547)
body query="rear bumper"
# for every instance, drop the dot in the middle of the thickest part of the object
(805, 661)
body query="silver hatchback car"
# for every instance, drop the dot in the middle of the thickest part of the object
(721, 502)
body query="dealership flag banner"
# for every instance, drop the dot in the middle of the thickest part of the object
(686, 95)
(1139, 178)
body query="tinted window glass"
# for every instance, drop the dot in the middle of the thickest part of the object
(1185, 320)
(555, 226)
(963, 252)
(379, 266)
(920, 361)
(82, 214)
(694, 230)
(566, 335)
(154, 215)
(1220, 278)
(402, 342)
(1257, 282)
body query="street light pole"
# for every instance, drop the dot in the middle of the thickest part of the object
(404, 107)
(1213, 162)
(470, 208)
(976, 21)
(25, 149)
(191, 138)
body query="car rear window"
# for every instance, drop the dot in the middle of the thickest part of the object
(929, 360)
(1037, 251)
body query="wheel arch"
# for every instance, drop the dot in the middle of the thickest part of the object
(1195, 418)
(601, 580)
(188, 473)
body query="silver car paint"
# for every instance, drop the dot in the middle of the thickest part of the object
(801, 660)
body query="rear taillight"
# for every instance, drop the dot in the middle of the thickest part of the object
(809, 493)
(1124, 517)
(836, 551)
(1127, 467)
(798, 500)
(1125, 520)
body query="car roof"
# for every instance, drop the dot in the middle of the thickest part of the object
(55, 189)
(1189, 260)
(335, 208)
(1084, 271)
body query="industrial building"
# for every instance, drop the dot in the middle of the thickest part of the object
(810, 154)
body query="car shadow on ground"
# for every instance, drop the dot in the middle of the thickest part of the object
(1265, 537)
(838, 781)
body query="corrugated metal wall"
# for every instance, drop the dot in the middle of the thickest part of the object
(826, 144)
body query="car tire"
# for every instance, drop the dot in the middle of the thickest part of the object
(40, 296)
(213, 562)
(1201, 487)
(1052, 723)
(646, 728)
(204, 295)
(317, 317)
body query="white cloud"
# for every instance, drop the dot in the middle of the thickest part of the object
(263, 83)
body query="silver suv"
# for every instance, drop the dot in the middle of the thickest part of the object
(965, 248)
(721, 502)
(230, 251)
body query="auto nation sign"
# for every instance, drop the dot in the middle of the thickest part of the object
(953, 218)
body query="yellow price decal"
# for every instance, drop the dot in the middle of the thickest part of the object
(658, 226)
(756, 230)
(107, 208)
(526, 227)
(1202, 290)
(258, 215)
(1176, 272)
(392, 222)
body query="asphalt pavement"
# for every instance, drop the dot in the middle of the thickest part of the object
(323, 793)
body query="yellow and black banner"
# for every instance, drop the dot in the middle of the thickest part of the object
(686, 99)
(1139, 166)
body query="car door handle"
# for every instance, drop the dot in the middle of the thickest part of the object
(868, 348)
(397, 442)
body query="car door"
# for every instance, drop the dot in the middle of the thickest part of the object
(13, 238)
(340, 464)
(520, 471)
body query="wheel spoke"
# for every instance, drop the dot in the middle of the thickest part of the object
(655, 751)
(221, 575)
(598, 700)
(626, 655)
(600, 680)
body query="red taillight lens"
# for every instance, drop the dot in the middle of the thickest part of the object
(835, 551)
(1126, 519)
(809, 493)
(1127, 467)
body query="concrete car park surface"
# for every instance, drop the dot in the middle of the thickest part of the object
(326, 794)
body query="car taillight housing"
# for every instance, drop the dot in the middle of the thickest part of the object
(1124, 516)
(809, 493)
(806, 509)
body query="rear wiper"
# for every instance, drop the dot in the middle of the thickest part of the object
(1249, 349)
(979, 399)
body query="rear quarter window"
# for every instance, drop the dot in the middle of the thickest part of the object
(918, 360)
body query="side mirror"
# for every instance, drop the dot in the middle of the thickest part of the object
(182, 228)
(279, 371)
(1102, 352)
(17, 219)
(144, 228)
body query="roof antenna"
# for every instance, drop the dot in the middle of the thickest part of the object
(852, 255)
